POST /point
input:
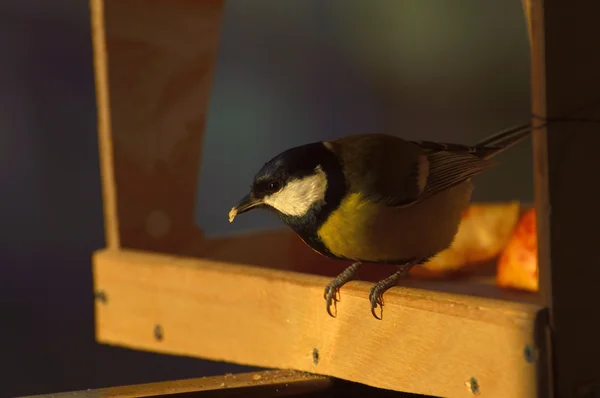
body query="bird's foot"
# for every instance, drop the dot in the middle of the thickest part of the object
(332, 290)
(377, 291)
(376, 295)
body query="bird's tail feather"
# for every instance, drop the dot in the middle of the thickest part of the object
(501, 141)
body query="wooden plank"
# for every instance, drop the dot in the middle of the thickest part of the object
(265, 384)
(428, 342)
(282, 249)
(105, 141)
(152, 122)
(565, 65)
(535, 15)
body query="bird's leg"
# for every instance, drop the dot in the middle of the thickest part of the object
(333, 289)
(376, 293)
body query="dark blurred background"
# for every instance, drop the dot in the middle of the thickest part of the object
(296, 71)
(51, 213)
(425, 69)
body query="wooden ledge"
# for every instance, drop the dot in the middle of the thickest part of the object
(269, 383)
(428, 342)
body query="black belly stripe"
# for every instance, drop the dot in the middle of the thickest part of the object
(308, 225)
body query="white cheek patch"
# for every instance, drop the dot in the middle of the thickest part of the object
(298, 196)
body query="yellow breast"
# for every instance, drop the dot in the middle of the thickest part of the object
(365, 231)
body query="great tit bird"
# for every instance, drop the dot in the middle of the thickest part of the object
(374, 198)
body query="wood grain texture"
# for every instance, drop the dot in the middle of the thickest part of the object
(566, 82)
(155, 64)
(263, 384)
(430, 343)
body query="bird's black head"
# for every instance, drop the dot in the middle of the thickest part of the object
(293, 182)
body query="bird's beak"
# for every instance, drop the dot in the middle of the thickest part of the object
(247, 203)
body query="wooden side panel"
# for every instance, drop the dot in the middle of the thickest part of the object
(157, 60)
(431, 343)
(566, 83)
(105, 140)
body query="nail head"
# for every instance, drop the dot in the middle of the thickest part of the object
(529, 353)
(100, 296)
(158, 332)
(473, 385)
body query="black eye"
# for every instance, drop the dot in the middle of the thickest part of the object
(274, 186)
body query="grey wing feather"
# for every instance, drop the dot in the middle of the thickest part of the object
(452, 164)
(447, 169)
(378, 171)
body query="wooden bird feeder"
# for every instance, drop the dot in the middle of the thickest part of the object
(257, 299)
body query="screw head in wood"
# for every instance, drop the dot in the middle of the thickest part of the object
(473, 385)
(158, 332)
(315, 356)
(100, 296)
(529, 353)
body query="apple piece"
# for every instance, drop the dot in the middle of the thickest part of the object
(483, 233)
(517, 266)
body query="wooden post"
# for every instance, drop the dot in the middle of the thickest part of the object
(105, 141)
(154, 63)
(565, 80)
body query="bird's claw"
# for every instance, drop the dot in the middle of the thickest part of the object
(331, 296)
(376, 299)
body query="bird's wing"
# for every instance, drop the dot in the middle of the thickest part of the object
(389, 170)
(452, 164)
(384, 168)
